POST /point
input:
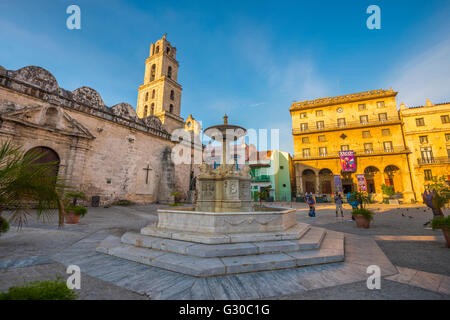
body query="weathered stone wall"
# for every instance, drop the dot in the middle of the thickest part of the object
(106, 152)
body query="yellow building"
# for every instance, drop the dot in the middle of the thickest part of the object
(160, 95)
(427, 134)
(367, 123)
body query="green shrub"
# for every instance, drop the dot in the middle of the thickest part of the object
(4, 225)
(73, 197)
(123, 203)
(40, 290)
(441, 222)
(78, 210)
(387, 190)
(366, 213)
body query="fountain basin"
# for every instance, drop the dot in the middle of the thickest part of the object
(188, 220)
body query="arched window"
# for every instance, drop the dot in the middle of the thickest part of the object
(157, 49)
(168, 50)
(171, 108)
(153, 72)
(172, 95)
(146, 96)
(152, 109)
(145, 111)
(169, 72)
(153, 94)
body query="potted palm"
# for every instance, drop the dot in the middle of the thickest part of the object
(362, 215)
(442, 223)
(73, 211)
(440, 197)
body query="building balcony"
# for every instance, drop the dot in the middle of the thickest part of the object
(261, 178)
(433, 160)
(316, 155)
(330, 126)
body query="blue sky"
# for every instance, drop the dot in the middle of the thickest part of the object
(250, 59)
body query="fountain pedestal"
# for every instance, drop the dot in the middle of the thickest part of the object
(224, 189)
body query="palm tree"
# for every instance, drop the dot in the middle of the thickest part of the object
(25, 184)
(440, 191)
(263, 194)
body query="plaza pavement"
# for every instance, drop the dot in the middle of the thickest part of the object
(414, 261)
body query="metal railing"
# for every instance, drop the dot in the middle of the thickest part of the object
(314, 154)
(313, 126)
(433, 160)
(261, 178)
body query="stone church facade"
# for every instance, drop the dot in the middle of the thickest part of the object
(110, 153)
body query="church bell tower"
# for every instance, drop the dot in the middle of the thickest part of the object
(160, 95)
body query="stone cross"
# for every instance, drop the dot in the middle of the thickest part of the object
(147, 170)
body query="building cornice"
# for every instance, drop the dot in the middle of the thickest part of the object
(26, 89)
(354, 97)
(155, 56)
(157, 81)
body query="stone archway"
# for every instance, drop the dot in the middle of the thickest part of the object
(326, 181)
(48, 156)
(309, 180)
(392, 177)
(347, 182)
(372, 175)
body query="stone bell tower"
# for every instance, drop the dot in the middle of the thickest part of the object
(160, 95)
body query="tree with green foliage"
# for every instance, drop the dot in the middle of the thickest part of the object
(263, 194)
(26, 184)
(361, 197)
(440, 193)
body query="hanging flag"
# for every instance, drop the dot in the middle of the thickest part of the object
(337, 183)
(361, 183)
(348, 162)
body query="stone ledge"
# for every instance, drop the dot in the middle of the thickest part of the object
(310, 241)
(293, 233)
(213, 266)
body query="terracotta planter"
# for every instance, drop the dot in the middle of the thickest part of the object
(72, 218)
(446, 232)
(362, 221)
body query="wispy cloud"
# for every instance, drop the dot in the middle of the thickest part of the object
(287, 76)
(426, 75)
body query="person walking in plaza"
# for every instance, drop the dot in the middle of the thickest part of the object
(353, 203)
(338, 202)
(311, 203)
(427, 197)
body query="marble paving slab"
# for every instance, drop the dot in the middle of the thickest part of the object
(162, 284)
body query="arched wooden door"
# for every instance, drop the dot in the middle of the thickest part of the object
(48, 155)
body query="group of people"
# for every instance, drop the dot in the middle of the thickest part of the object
(311, 202)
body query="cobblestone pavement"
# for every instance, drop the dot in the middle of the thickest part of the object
(41, 251)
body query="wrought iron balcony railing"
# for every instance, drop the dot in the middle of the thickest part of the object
(433, 160)
(316, 154)
(261, 178)
(318, 126)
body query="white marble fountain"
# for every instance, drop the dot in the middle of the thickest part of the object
(224, 233)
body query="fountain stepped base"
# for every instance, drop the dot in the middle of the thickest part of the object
(315, 247)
